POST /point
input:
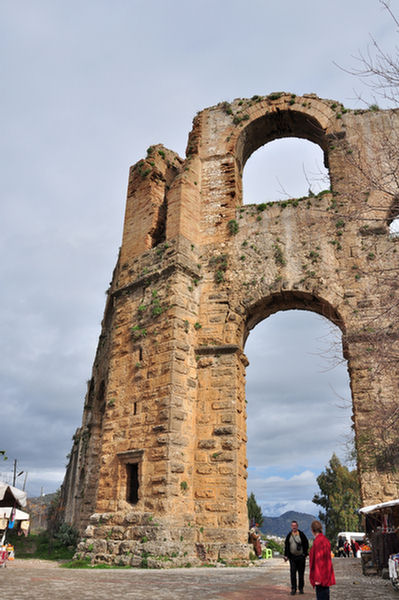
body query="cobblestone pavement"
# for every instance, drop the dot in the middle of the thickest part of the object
(39, 580)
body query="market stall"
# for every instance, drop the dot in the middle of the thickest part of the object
(12, 495)
(12, 500)
(382, 529)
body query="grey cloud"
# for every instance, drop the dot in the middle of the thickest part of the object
(280, 494)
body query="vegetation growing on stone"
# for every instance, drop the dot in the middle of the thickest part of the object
(232, 226)
(278, 255)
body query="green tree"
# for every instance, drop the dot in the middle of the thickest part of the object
(339, 498)
(254, 510)
(3, 454)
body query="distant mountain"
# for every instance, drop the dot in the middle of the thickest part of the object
(281, 525)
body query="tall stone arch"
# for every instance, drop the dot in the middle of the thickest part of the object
(158, 468)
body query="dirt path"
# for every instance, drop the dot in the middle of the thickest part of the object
(44, 580)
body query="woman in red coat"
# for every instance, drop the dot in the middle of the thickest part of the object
(321, 573)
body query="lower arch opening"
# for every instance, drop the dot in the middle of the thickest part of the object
(298, 409)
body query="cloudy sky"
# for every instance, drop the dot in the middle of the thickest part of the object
(86, 87)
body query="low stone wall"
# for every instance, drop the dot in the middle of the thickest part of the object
(139, 540)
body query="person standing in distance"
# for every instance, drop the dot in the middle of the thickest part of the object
(296, 551)
(321, 572)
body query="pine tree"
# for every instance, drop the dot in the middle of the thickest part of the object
(254, 510)
(340, 498)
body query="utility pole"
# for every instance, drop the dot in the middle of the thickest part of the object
(15, 472)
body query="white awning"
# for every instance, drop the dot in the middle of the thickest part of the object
(19, 495)
(351, 534)
(375, 507)
(20, 515)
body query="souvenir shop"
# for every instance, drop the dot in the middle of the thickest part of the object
(382, 529)
(12, 517)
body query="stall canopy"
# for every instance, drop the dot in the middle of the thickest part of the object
(10, 494)
(366, 510)
(19, 515)
(351, 535)
(382, 525)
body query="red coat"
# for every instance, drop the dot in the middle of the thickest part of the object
(320, 564)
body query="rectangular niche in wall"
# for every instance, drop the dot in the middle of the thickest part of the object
(132, 483)
(131, 474)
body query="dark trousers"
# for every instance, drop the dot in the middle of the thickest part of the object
(322, 592)
(297, 565)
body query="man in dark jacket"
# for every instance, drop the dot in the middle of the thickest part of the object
(296, 551)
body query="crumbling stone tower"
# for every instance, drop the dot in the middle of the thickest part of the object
(157, 473)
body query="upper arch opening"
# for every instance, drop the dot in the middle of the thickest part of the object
(276, 125)
(282, 169)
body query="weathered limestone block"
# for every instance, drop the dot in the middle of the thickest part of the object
(99, 546)
(113, 547)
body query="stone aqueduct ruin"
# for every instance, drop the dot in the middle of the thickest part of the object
(158, 468)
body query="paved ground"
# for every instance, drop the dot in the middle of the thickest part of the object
(40, 580)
